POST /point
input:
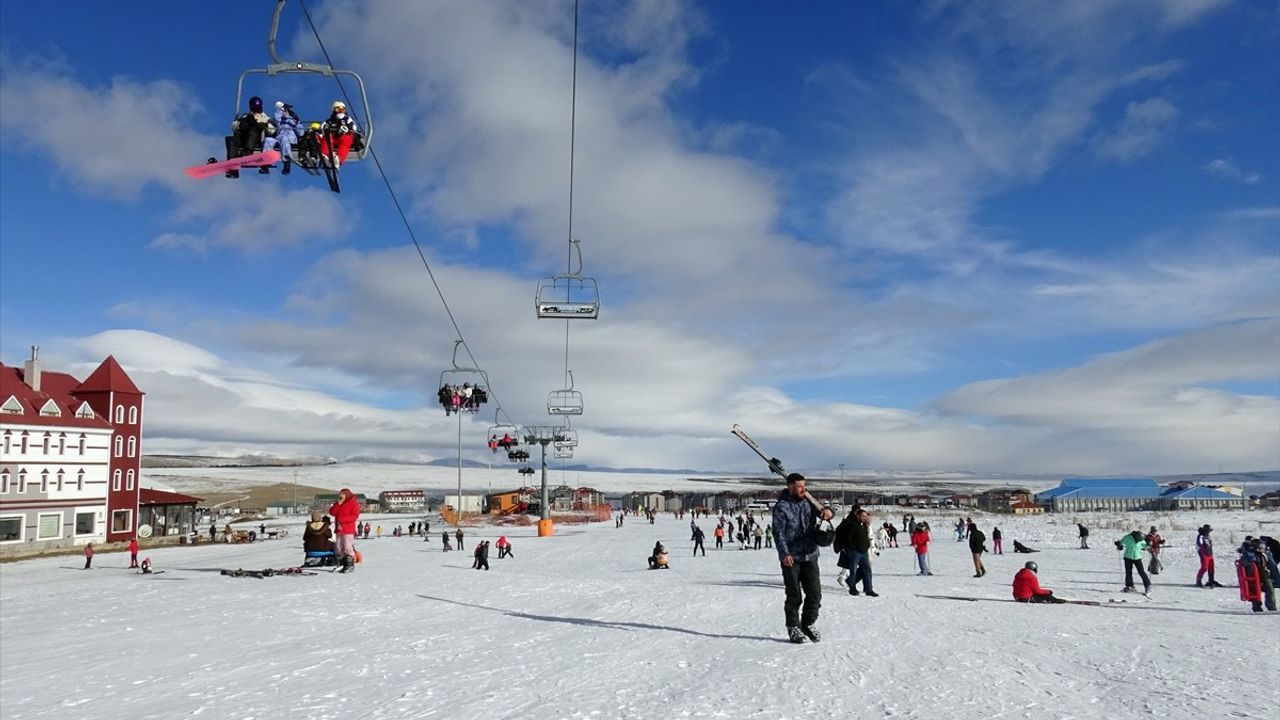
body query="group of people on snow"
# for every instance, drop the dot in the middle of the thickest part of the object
(320, 144)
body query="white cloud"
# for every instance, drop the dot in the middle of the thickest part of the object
(1146, 124)
(1226, 169)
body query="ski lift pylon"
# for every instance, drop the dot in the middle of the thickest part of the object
(570, 296)
(280, 66)
(565, 402)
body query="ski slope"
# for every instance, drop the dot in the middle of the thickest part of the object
(574, 626)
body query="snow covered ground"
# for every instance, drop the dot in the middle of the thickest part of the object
(575, 627)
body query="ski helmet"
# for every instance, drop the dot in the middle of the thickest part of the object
(339, 106)
(824, 534)
(255, 104)
(1030, 565)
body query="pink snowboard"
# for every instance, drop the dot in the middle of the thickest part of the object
(266, 157)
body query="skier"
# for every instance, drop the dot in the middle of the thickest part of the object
(1026, 586)
(458, 534)
(248, 132)
(346, 514)
(977, 546)
(1154, 543)
(133, 552)
(996, 536)
(920, 541)
(719, 533)
(1204, 548)
(1084, 536)
(698, 537)
(338, 135)
(1133, 544)
(1256, 581)
(88, 556)
(793, 532)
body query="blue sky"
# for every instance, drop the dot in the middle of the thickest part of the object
(1031, 237)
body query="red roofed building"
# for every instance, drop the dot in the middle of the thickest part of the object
(70, 462)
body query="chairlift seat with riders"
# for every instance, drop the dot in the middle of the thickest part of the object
(565, 438)
(462, 388)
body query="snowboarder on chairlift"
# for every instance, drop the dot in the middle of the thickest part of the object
(248, 134)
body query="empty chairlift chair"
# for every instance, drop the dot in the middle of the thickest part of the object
(565, 402)
(568, 297)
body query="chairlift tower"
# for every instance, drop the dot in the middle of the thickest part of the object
(544, 435)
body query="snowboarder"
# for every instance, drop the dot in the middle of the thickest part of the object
(1132, 545)
(458, 534)
(346, 515)
(88, 556)
(1204, 548)
(996, 537)
(977, 546)
(1084, 536)
(698, 537)
(133, 552)
(793, 533)
(248, 132)
(1026, 586)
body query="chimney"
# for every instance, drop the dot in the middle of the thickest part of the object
(32, 369)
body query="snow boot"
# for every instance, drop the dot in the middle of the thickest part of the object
(811, 633)
(795, 635)
(288, 167)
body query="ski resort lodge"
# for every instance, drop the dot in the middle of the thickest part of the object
(1122, 494)
(71, 456)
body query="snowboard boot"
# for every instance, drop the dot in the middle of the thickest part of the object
(811, 633)
(795, 635)
(264, 170)
(233, 174)
(288, 167)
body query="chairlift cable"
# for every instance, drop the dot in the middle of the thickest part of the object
(404, 218)
(573, 127)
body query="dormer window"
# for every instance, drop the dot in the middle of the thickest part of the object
(50, 409)
(84, 412)
(11, 406)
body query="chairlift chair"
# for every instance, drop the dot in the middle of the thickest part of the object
(570, 296)
(565, 438)
(563, 453)
(459, 375)
(565, 402)
(498, 431)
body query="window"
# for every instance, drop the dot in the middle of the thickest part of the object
(8, 440)
(84, 412)
(82, 441)
(119, 446)
(133, 446)
(85, 523)
(22, 481)
(133, 415)
(49, 526)
(44, 481)
(61, 479)
(50, 409)
(121, 520)
(4, 481)
(44, 444)
(62, 443)
(115, 480)
(80, 480)
(11, 406)
(119, 413)
(24, 442)
(11, 528)
(129, 481)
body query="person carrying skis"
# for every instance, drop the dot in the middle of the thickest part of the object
(346, 514)
(1084, 536)
(920, 541)
(1132, 545)
(1026, 586)
(1154, 543)
(698, 537)
(1256, 581)
(793, 534)
(1204, 548)
(977, 546)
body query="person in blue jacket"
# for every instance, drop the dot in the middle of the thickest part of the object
(793, 537)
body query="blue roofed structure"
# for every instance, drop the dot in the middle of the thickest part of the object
(1199, 497)
(1131, 493)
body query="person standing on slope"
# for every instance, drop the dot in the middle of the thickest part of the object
(920, 541)
(793, 535)
(996, 538)
(1026, 587)
(858, 546)
(133, 552)
(977, 546)
(698, 537)
(1084, 536)
(1154, 543)
(346, 513)
(1204, 548)
(1133, 544)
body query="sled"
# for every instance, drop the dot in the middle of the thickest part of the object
(262, 159)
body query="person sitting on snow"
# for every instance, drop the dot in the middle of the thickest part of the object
(658, 560)
(1026, 587)
(146, 566)
(1020, 548)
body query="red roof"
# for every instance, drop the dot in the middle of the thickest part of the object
(1024, 505)
(54, 386)
(151, 496)
(109, 376)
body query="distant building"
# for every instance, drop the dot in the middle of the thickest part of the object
(1201, 498)
(282, 508)
(506, 502)
(1022, 507)
(164, 513)
(1002, 500)
(402, 500)
(70, 460)
(324, 501)
(1122, 494)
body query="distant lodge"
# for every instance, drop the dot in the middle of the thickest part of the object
(1121, 494)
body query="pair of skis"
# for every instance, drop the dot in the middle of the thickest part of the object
(774, 463)
(269, 572)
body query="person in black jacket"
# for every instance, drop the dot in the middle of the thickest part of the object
(854, 538)
(977, 546)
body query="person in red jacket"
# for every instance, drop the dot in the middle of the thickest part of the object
(1026, 587)
(920, 541)
(133, 552)
(346, 513)
(88, 556)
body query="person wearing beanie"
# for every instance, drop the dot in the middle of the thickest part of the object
(346, 514)
(1204, 548)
